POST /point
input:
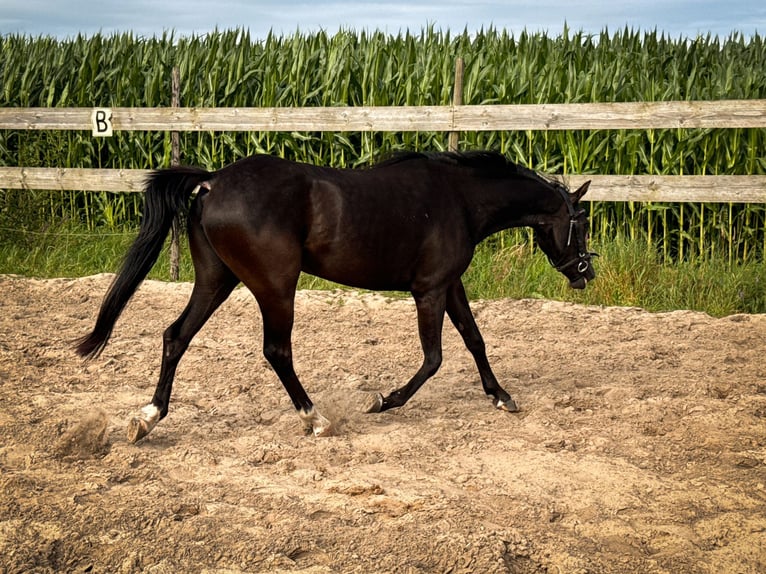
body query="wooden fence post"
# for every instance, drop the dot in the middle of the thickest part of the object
(457, 100)
(175, 159)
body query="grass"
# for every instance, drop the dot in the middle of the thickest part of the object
(629, 274)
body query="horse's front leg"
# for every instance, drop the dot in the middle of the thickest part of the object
(460, 314)
(430, 309)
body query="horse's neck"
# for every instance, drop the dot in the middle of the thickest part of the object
(511, 204)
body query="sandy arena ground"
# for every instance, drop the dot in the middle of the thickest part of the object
(641, 446)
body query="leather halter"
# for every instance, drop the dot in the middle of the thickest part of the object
(583, 257)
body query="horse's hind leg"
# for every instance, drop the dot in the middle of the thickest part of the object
(203, 302)
(277, 309)
(270, 266)
(460, 314)
(213, 284)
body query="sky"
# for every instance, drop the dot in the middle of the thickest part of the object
(687, 18)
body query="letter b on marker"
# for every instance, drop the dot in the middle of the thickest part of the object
(101, 120)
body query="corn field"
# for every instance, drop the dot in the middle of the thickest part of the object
(230, 69)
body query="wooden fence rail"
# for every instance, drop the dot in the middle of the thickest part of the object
(686, 188)
(626, 115)
(455, 118)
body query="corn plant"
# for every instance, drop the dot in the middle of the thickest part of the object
(231, 68)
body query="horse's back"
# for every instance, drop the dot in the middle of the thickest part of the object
(374, 228)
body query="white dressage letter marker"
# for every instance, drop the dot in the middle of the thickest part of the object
(101, 120)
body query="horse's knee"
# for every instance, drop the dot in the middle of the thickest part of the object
(474, 342)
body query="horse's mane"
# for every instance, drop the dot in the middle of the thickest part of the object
(487, 164)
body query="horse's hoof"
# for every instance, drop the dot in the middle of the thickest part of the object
(314, 422)
(137, 429)
(142, 425)
(508, 406)
(324, 430)
(374, 403)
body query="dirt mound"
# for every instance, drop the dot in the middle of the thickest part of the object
(640, 446)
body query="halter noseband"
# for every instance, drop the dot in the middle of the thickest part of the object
(582, 260)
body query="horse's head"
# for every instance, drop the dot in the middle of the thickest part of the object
(564, 239)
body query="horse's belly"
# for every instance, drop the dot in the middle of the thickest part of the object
(363, 270)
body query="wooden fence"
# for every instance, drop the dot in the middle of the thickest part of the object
(454, 118)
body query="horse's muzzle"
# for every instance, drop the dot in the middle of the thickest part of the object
(579, 283)
(588, 274)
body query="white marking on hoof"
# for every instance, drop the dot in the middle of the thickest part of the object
(142, 425)
(315, 422)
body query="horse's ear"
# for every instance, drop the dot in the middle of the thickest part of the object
(577, 195)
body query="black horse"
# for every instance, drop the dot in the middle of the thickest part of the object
(410, 223)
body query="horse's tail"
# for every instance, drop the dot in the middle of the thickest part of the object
(166, 195)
